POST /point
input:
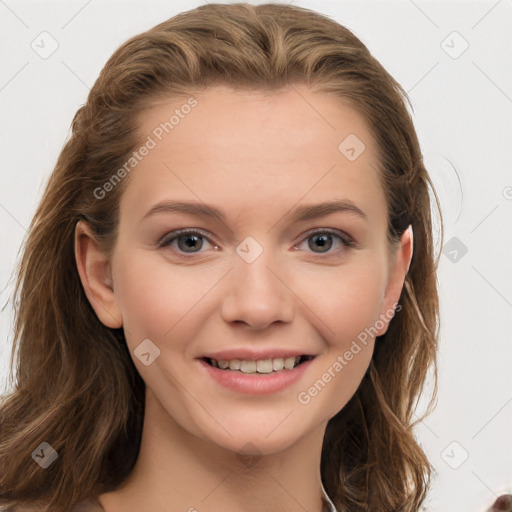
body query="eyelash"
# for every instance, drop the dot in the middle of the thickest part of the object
(346, 241)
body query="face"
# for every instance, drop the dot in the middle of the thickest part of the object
(265, 278)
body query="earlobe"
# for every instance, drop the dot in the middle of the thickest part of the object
(396, 278)
(94, 270)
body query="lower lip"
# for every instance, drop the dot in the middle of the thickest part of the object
(256, 383)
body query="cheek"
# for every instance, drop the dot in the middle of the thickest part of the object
(346, 303)
(141, 297)
(346, 300)
(146, 296)
(156, 297)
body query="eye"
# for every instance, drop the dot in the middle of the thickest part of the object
(323, 239)
(188, 241)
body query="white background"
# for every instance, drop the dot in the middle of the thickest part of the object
(462, 112)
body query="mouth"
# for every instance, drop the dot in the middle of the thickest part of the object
(249, 373)
(258, 366)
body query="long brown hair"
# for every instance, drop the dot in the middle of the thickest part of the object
(76, 386)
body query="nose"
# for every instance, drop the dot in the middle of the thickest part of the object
(256, 293)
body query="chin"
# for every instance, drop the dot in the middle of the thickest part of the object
(258, 436)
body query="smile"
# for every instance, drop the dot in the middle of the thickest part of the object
(255, 376)
(258, 365)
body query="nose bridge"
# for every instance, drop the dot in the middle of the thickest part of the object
(255, 294)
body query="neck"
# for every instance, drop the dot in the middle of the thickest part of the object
(176, 470)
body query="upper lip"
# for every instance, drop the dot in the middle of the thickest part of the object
(248, 354)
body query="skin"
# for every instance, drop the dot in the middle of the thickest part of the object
(256, 157)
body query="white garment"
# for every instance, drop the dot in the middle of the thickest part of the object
(330, 504)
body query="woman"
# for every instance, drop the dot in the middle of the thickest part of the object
(231, 276)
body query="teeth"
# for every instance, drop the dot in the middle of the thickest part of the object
(278, 363)
(264, 366)
(259, 366)
(234, 364)
(248, 366)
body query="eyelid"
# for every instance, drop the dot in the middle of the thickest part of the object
(171, 235)
(346, 240)
(330, 231)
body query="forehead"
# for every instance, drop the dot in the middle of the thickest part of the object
(246, 149)
(280, 121)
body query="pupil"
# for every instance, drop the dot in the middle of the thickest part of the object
(191, 241)
(321, 242)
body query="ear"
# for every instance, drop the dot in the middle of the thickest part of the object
(399, 267)
(94, 269)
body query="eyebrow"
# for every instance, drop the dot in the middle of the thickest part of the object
(301, 213)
